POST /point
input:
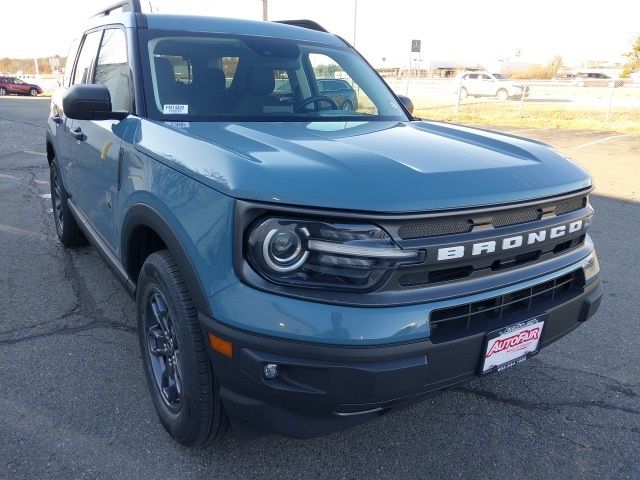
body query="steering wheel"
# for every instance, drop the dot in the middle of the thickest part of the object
(316, 99)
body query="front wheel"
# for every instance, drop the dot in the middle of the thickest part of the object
(502, 95)
(33, 92)
(347, 106)
(178, 371)
(3, 91)
(68, 231)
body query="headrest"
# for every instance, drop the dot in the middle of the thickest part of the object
(260, 81)
(216, 78)
(165, 74)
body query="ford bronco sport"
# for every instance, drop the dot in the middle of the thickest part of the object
(300, 268)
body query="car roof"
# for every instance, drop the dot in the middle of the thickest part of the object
(232, 26)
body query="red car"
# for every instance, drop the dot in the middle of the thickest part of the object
(9, 85)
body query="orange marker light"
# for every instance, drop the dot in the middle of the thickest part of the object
(222, 346)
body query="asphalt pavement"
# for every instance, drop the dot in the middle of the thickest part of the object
(73, 402)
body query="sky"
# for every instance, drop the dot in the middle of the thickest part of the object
(471, 31)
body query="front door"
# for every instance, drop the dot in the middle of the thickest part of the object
(97, 151)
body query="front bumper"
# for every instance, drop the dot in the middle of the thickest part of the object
(324, 388)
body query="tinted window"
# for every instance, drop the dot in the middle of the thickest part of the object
(112, 68)
(229, 67)
(86, 58)
(251, 77)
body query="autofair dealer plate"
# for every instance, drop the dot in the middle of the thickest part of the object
(511, 345)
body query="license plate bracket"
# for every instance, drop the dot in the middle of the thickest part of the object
(511, 345)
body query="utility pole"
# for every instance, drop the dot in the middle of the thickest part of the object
(355, 20)
(265, 10)
(35, 60)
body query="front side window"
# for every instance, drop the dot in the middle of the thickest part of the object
(112, 68)
(259, 78)
(87, 57)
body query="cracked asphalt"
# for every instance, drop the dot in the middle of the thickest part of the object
(73, 403)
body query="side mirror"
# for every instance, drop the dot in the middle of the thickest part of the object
(406, 101)
(89, 102)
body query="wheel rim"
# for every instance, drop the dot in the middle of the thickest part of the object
(56, 199)
(347, 106)
(2, 91)
(502, 95)
(163, 351)
(34, 92)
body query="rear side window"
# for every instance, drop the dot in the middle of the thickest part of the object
(87, 57)
(112, 68)
(229, 66)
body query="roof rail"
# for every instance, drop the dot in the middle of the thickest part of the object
(125, 5)
(310, 24)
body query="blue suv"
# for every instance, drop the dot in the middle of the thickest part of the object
(298, 267)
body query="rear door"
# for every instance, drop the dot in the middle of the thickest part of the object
(487, 84)
(98, 153)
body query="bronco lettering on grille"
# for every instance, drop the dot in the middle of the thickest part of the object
(490, 246)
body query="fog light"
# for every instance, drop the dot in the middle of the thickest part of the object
(271, 371)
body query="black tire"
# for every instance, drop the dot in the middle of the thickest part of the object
(3, 91)
(68, 231)
(183, 388)
(33, 92)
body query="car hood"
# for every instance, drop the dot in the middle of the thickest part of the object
(366, 166)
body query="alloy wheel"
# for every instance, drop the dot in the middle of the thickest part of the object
(163, 351)
(56, 199)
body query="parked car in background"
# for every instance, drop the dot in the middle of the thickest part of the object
(13, 85)
(596, 79)
(340, 91)
(485, 84)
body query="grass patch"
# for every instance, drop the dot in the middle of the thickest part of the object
(535, 115)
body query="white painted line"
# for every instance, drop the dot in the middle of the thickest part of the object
(46, 196)
(41, 182)
(588, 144)
(8, 177)
(35, 153)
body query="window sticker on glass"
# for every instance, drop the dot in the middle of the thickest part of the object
(176, 109)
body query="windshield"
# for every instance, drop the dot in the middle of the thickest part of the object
(499, 76)
(196, 76)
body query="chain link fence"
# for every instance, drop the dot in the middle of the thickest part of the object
(579, 103)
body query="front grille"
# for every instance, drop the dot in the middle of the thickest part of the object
(501, 218)
(435, 228)
(571, 205)
(462, 320)
(515, 217)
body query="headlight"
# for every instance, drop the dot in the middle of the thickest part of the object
(316, 254)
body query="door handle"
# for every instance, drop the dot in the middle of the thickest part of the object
(78, 135)
(57, 119)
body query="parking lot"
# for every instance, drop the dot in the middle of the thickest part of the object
(73, 402)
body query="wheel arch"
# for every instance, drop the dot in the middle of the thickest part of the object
(144, 231)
